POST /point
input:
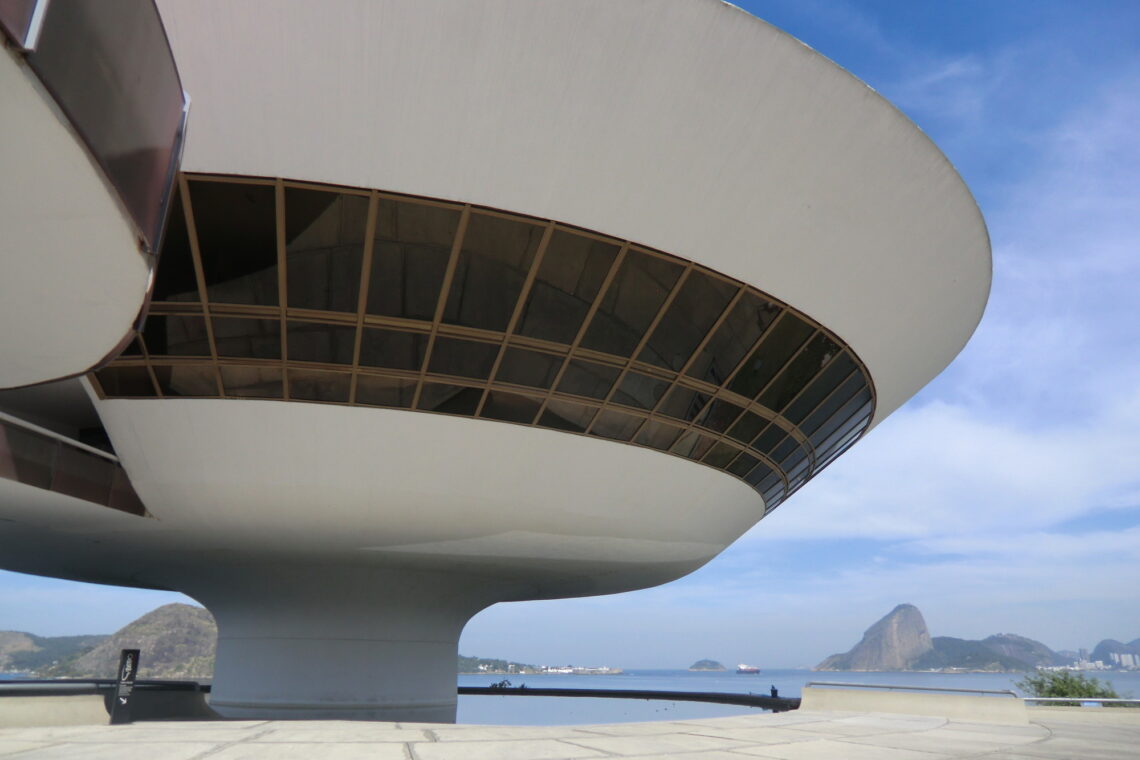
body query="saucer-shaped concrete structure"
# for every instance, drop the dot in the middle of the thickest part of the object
(467, 303)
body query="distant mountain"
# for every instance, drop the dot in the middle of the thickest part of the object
(491, 665)
(176, 641)
(893, 643)
(1105, 649)
(707, 665)
(1025, 650)
(900, 641)
(963, 654)
(25, 652)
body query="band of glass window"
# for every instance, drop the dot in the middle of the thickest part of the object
(279, 290)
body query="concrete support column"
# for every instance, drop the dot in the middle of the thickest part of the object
(319, 642)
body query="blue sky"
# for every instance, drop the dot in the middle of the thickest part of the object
(1005, 497)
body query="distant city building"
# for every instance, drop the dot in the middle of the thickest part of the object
(437, 306)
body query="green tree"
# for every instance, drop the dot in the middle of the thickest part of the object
(1065, 683)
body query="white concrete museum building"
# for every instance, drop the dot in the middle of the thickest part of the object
(350, 319)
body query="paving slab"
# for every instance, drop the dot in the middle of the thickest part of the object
(830, 749)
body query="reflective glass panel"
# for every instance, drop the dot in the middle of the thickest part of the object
(615, 425)
(248, 338)
(683, 403)
(493, 263)
(83, 475)
(692, 445)
(125, 381)
(384, 391)
(848, 413)
(324, 248)
(32, 456)
(825, 410)
(195, 380)
(658, 435)
(698, 305)
(175, 279)
(449, 399)
(510, 407)
(464, 358)
(719, 415)
(641, 391)
(313, 385)
(784, 339)
(393, 349)
(819, 388)
(523, 367)
(720, 455)
(799, 372)
(317, 342)
(747, 321)
(631, 303)
(237, 237)
(583, 378)
(747, 427)
(252, 382)
(757, 474)
(409, 258)
(568, 280)
(743, 465)
(176, 335)
(566, 415)
(769, 439)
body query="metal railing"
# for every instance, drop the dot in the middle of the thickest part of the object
(775, 704)
(109, 67)
(893, 687)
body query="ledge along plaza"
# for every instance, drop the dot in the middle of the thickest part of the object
(351, 319)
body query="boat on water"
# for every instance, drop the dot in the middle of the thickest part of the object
(742, 668)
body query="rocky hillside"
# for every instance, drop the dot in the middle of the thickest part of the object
(176, 641)
(893, 643)
(900, 641)
(27, 653)
(707, 665)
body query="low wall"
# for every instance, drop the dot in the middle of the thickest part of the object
(78, 710)
(963, 707)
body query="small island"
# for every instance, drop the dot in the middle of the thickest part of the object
(707, 665)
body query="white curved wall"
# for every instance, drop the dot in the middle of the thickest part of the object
(72, 278)
(566, 513)
(686, 125)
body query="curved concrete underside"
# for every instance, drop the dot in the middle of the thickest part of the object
(73, 278)
(688, 126)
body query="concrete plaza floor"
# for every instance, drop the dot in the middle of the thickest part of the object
(1088, 734)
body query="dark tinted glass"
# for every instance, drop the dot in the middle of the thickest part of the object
(82, 475)
(786, 447)
(186, 380)
(464, 358)
(568, 280)
(324, 248)
(566, 415)
(742, 465)
(799, 372)
(658, 435)
(749, 318)
(248, 338)
(384, 391)
(449, 399)
(510, 407)
(409, 258)
(134, 348)
(533, 368)
(175, 279)
(819, 388)
(848, 414)
(630, 304)
(315, 342)
(683, 403)
(692, 445)
(615, 425)
(747, 427)
(171, 335)
(697, 306)
(493, 263)
(30, 455)
(312, 385)
(832, 403)
(125, 381)
(639, 390)
(719, 415)
(757, 474)
(720, 455)
(237, 238)
(770, 439)
(583, 378)
(771, 355)
(392, 349)
(123, 495)
(252, 382)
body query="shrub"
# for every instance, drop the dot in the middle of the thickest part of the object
(1065, 683)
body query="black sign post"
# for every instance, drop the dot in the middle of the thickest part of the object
(124, 686)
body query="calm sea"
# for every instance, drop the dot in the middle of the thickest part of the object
(511, 710)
